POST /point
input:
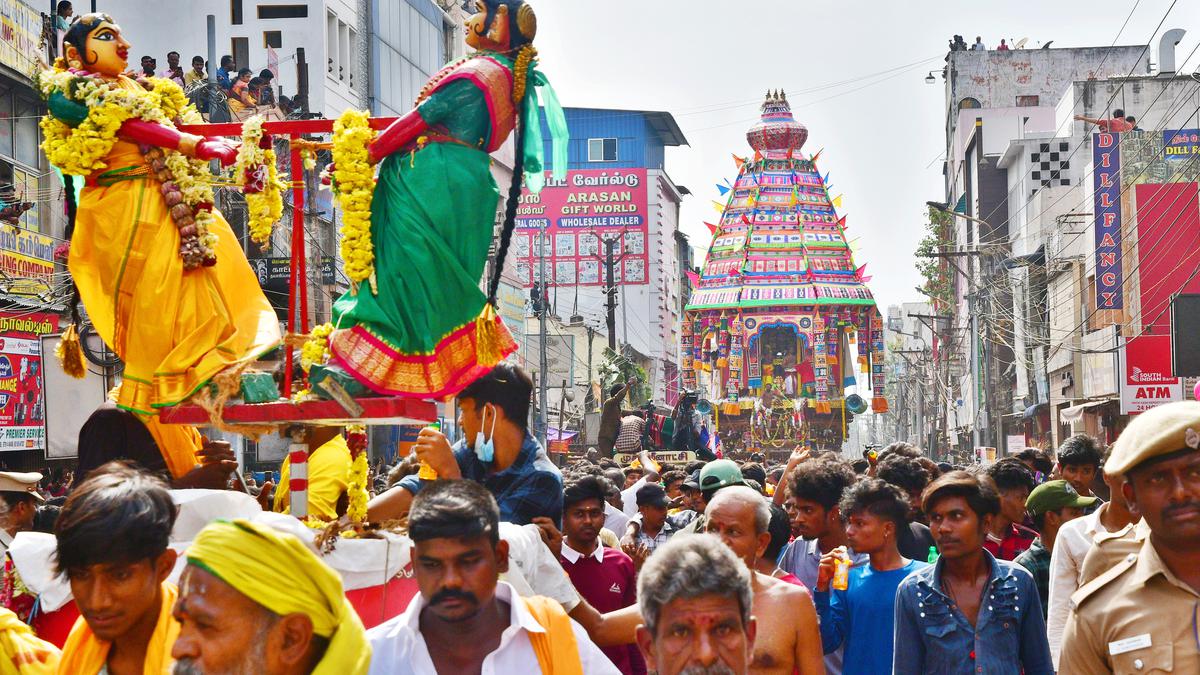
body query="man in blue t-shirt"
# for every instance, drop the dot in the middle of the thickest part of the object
(862, 617)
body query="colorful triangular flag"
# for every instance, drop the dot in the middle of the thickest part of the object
(722, 189)
(739, 161)
(837, 202)
(842, 222)
(814, 157)
(720, 208)
(711, 228)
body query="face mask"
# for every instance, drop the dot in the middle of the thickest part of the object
(485, 450)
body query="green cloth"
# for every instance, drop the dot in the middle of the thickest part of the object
(432, 217)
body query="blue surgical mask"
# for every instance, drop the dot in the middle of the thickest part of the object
(485, 450)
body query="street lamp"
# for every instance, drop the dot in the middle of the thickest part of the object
(930, 79)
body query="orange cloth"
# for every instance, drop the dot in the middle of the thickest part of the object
(556, 649)
(84, 653)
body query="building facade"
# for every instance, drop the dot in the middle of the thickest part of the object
(617, 197)
(993, 99)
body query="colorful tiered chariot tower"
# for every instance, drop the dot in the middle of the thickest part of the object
(782, 333)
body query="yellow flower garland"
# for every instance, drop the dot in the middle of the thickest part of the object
(316, 350)
(356, 489)
(354, 186)
(264, 208)
(81, 150)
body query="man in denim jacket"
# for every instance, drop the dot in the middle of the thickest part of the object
(969, 613)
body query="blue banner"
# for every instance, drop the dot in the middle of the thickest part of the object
(1106, 165)
(1181, 143)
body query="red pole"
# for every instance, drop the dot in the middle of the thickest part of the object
(298, 227)
(293, 270)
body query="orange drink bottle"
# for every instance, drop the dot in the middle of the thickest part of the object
(841, 570)
(426, 472)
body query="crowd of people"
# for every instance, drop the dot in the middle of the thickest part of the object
(1085, 560)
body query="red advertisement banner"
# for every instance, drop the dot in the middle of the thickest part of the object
(579, 214)
(22, 405)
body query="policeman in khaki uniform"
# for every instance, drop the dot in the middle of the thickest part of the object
(1141, 615)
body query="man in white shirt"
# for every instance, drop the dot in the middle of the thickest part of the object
(1072, 544)
(978, 46)
(464, 620)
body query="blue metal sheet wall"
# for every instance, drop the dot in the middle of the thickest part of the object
(637, 144)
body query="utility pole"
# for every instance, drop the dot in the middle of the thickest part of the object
(542, 364)
(562, 402)
(610, 290)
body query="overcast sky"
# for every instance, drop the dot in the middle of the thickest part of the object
(709, 62)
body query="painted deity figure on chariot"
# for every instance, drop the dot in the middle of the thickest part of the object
(416, 323)
(161, 274)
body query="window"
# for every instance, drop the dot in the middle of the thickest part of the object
(282, 11)
(235, 12)
(273, 39)
(968, 102)
(241, 53)
(331, 43)
(602, 149)
(1027, 101)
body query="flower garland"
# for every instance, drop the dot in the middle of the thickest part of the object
(81, 150)
(256, 173)
(356, 486)
(354, 184)
(316, 350)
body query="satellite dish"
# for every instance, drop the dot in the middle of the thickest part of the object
(1021, 43)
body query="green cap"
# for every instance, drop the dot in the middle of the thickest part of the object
(1054, 495)
(720, 473)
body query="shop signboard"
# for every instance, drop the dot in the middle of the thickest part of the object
(1106, 159)
(1146, 377)
(22, 403)
(579, 214)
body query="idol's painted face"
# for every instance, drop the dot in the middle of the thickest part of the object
(107, 52)
(495, 37)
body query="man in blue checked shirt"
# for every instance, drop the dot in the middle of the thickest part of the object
(497, 451)
(969, 613)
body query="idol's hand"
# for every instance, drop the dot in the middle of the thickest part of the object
(218, 149)
(397, 136)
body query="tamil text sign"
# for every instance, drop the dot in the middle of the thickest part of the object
(27, 259)
(1146, 377)
(22, 404)
(1106, 158)
(1181, 143)
(579, 214)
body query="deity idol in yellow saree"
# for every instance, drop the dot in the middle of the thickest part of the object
(161, 274)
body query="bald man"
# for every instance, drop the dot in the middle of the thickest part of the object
(740, 516)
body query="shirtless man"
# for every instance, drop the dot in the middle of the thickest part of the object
(790, 641)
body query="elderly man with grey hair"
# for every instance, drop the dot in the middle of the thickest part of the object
(695, 600)
(741, 517)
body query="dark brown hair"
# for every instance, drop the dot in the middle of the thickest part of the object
(978, 491)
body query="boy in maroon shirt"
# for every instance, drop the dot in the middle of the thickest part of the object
(605, 577)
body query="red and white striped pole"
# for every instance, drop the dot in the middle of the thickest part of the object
(298, 475)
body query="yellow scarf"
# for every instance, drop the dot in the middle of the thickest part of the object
(85, 654)
(21, 651)
(555, 649)
(279, 572)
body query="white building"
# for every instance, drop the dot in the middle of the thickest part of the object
(371, 54)
(992, 99)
